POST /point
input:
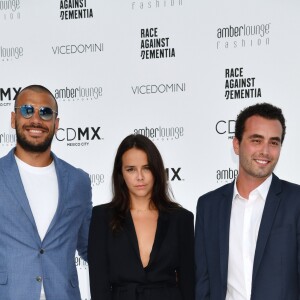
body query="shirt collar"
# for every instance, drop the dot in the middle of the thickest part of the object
(262, 189)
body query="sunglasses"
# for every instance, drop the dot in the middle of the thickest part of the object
(45, 113)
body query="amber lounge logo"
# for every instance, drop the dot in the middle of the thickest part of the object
(80, 263)
(155, 4)
(11, 53)
(97, 179)
(243, 36)
(7, 139)
(75, 9)
(162, 133)
(226, 175)
(78, 93)
(10, 10)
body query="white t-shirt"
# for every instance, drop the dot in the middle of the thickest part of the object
(41, 188)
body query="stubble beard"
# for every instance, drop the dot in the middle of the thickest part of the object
(41, 147)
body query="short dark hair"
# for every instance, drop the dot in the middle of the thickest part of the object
(40, 89)
(265, 110)
(160, 197)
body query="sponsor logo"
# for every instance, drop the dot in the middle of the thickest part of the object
(11, 53)
(80, 263)
(7, 139)
(239, 87)
(75, 9)
(161, 88)
(78, 93)
(173, 174)
(8, 95)
(96, 179)
(233, 37)
(77, 49)
(227, 175)
(161, 133)
(155, 47)
(155, 4)
(226, 127)
(79, 137)
(10, 10)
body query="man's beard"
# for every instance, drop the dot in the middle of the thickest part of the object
(31, 147)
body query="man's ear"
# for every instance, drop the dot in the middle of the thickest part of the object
(56, 124)
(13, 120)
(236, 145)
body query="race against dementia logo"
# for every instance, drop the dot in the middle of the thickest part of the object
(155, 47)
(232, 37)
(75, 9)
(10, 10)
(239, 87)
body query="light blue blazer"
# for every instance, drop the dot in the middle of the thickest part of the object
(25, 260)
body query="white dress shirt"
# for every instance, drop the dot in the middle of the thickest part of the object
(245, 220)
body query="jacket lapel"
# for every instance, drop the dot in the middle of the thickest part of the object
(162, 227)
(269, 213)
(130, 231)
(15, 186)
(62, 180)
(224, 227)
(161, 231)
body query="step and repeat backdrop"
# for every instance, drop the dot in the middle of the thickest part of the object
(177, 71)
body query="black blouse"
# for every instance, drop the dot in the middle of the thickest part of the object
(116, 270)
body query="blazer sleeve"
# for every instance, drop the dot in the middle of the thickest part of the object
(82, 242)
(186, 271)
(202, 278)
(97, 255)
(298, 254)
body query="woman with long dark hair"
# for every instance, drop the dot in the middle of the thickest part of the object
(141, 244)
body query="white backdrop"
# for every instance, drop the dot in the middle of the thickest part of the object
(100, 61)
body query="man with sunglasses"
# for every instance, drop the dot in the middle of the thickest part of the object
(45, 207)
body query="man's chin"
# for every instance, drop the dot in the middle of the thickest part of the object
(34, 148)
(263, 175)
